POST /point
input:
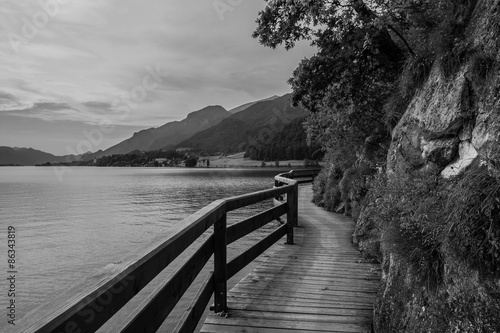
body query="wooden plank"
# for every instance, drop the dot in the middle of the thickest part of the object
(243, 228)
(286, 308)
(318, 304)
(285, 180)
(298, 293)
(328, 261)
(77, 311)
(355, 296)
(195, 311)
(209, 328)
(153, 310)
(355, 280)
(332, 285)
(235, 265)
(290, 325)
(305, 172)
(303, 181)
(333, 267)
(297, 317)
(310, 279)
(317, 301)
(318, 272)
(284, 285)
(251, 198)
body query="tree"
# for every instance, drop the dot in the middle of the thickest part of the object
(346, 83)
(191, 162)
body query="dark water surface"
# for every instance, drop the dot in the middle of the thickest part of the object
(73, 230)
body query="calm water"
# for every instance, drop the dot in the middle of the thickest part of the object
(76, 229)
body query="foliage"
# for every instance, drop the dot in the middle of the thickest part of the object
(426, 219)
(473, 220)
(346, 83)
(191, 162)
(137, 158)
(352, 83)
(318, 187)
(409, 208)
(288, 144)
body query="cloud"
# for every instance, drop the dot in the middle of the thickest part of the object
(92, 52)
(89, 112)
(7, 96)
(46, 110)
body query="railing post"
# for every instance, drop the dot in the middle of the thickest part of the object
(278, 184)
(292, 213)
(220, 265)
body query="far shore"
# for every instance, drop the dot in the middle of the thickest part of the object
(237, 160)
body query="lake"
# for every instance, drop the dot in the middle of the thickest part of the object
(73, 230)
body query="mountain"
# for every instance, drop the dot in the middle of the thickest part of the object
(288, 144)
(247, 105)
(255, 125)
(212, 128)
(169, 134)
(29, 156)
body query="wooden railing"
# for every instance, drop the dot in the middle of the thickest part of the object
(88, 312)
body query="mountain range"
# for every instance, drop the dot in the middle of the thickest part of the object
(212, 129)
(30, 156)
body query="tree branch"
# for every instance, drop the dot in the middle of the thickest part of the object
(403, 39)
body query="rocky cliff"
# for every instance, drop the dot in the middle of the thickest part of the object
(451, 125)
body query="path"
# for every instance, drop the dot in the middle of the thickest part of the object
(320, 284)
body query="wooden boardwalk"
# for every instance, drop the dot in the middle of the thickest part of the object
(320, 284)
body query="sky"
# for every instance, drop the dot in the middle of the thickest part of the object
(84, 75)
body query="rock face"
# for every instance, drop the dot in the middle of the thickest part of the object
(438, 120)
(450, 122)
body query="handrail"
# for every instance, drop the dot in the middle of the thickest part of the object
(90, 311)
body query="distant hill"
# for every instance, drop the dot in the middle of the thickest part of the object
(169, 134)
(29, 156)
(253, 124)
(247, 105)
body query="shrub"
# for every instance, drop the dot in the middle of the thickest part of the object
(318, 186)
(325, 188)
(332, 195)
(353, 188)
(408, 213)
(425, 219)
(191, 162)
(415, 73)
(473, 220)
(451, 60)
